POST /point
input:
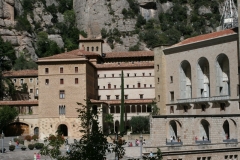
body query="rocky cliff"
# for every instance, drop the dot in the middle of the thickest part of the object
(126, 23)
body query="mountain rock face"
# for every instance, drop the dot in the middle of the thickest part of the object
(92, 16)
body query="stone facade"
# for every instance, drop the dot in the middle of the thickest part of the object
(198, 96)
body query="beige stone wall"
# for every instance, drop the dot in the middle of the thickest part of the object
(91, 46)
(91, 82)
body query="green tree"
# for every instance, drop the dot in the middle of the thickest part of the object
(155, 109)
(109, 120)
(7, 115)
(21, 63)
(140, 124)
(122, 125)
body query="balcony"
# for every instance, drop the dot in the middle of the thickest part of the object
(174, 143)
(230, 141)
(203, 99)
(203, 142)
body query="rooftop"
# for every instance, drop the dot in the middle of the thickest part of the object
(129, 54)
(207, 36)
(124, 65)
(19, 103)
(21, 73)
(71, 55)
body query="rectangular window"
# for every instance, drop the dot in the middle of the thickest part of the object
(108, 97)
(61, 81)
(222, 106)
(14, 80)
(203, 108)
(115, 86)
(125, 96)
(46, 70)
(112, 75)
(143, 74)
(117, 96)
(135, 74)
(61, 70)
(104, 75)
(185, 108)
(150, 74)
(47, 81)
(103, 87)
(99, 97)
(141, 96)
(109, 85)
(36, 91)
(150, 86)
(61, 94)
(31, 91)
(76, 69)
(30, 80)
(139, 85)
(133, 86)
(21, 81)
(62, 110)
(158, 79)
(128, 74)
(171, 109)
(87, 48)
(127, 86)
(145, 85)
(171, 79)
(158, 67)
(158, 98)
(172, 96)
(76, 80)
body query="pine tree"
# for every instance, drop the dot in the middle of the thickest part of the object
(122, 128)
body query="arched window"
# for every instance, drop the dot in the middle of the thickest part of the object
(63, 129)
(226, 129)
(174, 131)
(203, 78)
(96, 48)
(223, 80)
(185, 80)
(204, 129)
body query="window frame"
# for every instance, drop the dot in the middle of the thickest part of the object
(62, 94)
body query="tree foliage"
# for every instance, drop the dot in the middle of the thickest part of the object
(21, 63)
(7, 115)
(140, 124)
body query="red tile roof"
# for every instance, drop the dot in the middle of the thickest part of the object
(126, 101)
(207, 36)
(129, 54)
(71, 55)
(21, 73)
(124, 65)
(19, 103)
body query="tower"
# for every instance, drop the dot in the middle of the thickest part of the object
(229, 17)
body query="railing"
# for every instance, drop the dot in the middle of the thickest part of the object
(203, 99)
(174, 143)
(203, 142)
(230, 140)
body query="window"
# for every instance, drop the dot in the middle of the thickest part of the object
(203, 108)
(120, 75)
(30, 80)
(127, 86)
(125, 96)
(145, 85)
(36, 91)
(139, 85)
(112, 75)
(21, 81)
(158, 67)
(158, 98)
(150, 74)
(133, 86)
(172, 96)
(46, 81)
(103, 87)
(99, 97)
(76, 80)
(109, 85)
(171, 109)
(143, 74)
(61, 70)
(46, 70)
(158, 79)
(135, 74)
(14, 80)
(31, 90)
(108, 97)
(76, 69)
(150, 86)
(171, 79)
(185, 108)
(92, 48)
(62, 110)
(128, 74)
(222, 106)
(87, 48)
(96, 48)
(61, 81)
(115, 86)
(104, 75)
(61, 94)
(117, 96)
(141, 96)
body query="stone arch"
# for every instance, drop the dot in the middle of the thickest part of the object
(203, 78)
(185, 80)
(63, 129)
(232, 129)
(222, 75)
(226, 129)
(17, 129)
(174, 129)
(204, 129)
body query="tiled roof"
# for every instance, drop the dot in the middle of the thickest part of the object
(124, 65)
(129, 54)
(207, 36)
(126, 101)
(71, 55)
(19, 103)
(21, 73)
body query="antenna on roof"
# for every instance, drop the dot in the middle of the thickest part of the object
(229, 17)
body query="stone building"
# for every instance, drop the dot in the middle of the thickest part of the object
(197, 89)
